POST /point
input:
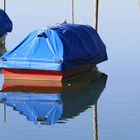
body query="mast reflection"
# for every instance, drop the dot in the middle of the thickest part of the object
(95, 122)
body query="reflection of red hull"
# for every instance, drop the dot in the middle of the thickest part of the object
(28, 74)
(46, 86)
(35, 86)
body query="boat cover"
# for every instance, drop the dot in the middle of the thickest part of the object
(62, 47)
(5, 23)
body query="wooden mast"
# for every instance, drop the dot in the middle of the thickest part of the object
(96, 7)
(95, 117)
(4, 5)
(4, 109)
(72, 11)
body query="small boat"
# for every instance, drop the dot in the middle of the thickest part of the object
(46, 86)
(54, 53)
(6, 26)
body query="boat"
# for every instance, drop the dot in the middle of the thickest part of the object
(48, 108)
(46, 86)
(6, 26)
(54, 53)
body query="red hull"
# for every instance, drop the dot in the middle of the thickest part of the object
(77, 81)
(32, 74)
(28, 74)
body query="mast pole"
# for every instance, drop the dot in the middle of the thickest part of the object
(95, 122)
(4, 5)
(95, 113)
(96, 8)
(4, 113)
(72, 11)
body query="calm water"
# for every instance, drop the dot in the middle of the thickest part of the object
(118, 96)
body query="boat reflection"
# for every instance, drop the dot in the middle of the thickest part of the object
(56, 103)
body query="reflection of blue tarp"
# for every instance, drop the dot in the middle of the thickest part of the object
(63, 47)
(5, 23)
(79, 100)
(43, 108)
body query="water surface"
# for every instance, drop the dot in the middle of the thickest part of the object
(118, 104)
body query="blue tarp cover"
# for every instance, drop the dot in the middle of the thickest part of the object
(63, 47)
(5, 23)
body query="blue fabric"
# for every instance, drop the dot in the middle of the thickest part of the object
(38, 108)
(82, 45)
(5, 23)
(63, 47)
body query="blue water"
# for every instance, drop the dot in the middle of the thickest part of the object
(118, 104)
